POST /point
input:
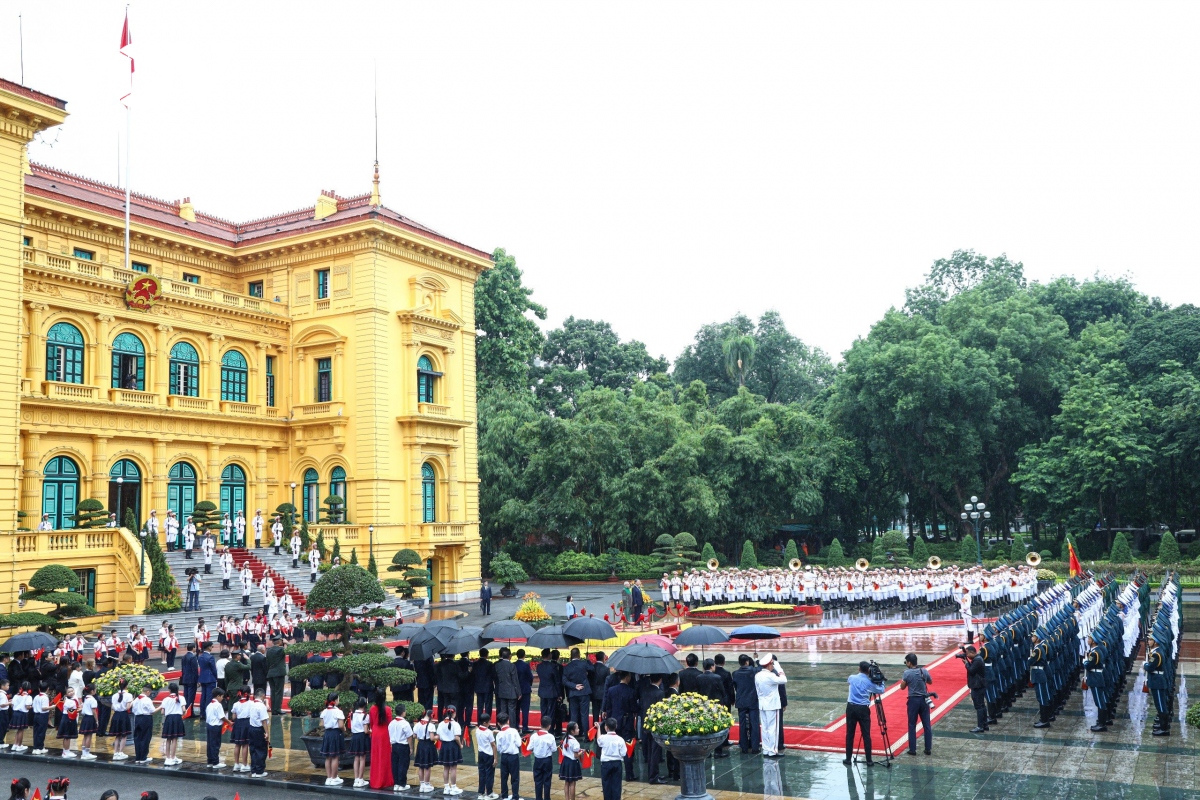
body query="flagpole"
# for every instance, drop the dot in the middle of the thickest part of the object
(128, 127)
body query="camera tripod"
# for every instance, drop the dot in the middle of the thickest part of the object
(881, 718)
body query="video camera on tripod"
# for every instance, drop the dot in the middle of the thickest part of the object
(875, 673)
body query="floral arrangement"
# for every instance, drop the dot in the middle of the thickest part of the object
(139, 678)
(687, 714)
(745, 611)
(531, 609)
(1047, 575)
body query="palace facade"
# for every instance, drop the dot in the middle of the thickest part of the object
(327, 351)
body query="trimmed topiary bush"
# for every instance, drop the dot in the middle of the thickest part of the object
(90, 513)
(1018, 549)
(920, 551)
(59, 585)
(1121, 552)
(1168, 549)
(749, 558)
(834, 555)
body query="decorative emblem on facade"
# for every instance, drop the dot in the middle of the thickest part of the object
(142, 294)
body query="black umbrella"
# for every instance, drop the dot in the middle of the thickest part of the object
(644, 659)
(428, 641)
(30, 640)
(467, 640)
(509, 629)
(754, 632)
(408, 630)
(552, 637)
(701, 635)
(589, 628)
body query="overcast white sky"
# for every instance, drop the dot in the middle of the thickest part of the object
(663, 165)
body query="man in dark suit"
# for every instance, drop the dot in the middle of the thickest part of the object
(621, 704)
(426, 680)
(652, 694)
(208, 674)
(525, 679)
(746, 700)
(485, 598)
(258, 668)
(447, 684)
(548, 690)
(466, 691)
(709, 684)
(190, 675)
(577, 680)
(689, 676)
(599, 680)
(508, 686)
(483, 682)
(403, 691)
(276, 672)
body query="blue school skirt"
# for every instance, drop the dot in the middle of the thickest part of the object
(427, 754)
(570, 770)
(360, 744)
(19, 720)
(67, 728)
(333, 744)
(241, 731)
(450, 754)
(172, 727)
(119, 724)
(88, 724)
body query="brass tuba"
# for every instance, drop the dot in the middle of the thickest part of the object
(934, 562)
(862, 565)
(713, 564)
(1033, 558)
(795, 565)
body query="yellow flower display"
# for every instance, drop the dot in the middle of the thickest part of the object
(531, 609)
(687, 714)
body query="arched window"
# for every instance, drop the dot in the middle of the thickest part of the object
(128, 363)
(233, 377)
(124, 489)
(428, 493)
(426, 380)
(233, 490)
(312, 495)
(337, 487)
(60, 491)
(64, 354)
(185, 370)
(181, 490)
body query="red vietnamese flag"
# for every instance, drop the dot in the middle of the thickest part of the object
(126, 41)
(1073, 564)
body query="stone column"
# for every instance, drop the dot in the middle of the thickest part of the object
(256, 391)
(162, 361)
(158, 494)
(99, 473)
(212, 491)
(31, 480)
(260, 477)
(213, 368)
(102, 367)
(339, 351)
(35, 369)
(303, 395)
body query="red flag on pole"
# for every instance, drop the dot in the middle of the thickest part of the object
(1073, 564)
(126, 41)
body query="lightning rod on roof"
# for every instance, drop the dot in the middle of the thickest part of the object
(375, 182)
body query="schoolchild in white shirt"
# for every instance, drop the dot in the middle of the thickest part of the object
(399, 734)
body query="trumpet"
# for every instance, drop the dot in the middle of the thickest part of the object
(795, 565)
(713, 565)
(1033, 558)
(862, 565)
(934, 562)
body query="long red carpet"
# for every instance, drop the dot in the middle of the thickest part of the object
(949, 682)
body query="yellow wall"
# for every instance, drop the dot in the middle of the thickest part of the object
(395, 294)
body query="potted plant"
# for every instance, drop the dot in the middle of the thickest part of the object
(507, 573)
(412, 575)
(140, 678)
(690, 727)
(356, 657)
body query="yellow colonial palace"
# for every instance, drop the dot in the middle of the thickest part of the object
(325, 351)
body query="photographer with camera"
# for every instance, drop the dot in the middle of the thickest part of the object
(917, 679)
(865, 683)
(977, 683)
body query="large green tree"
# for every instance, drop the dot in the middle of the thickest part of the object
(507, 338)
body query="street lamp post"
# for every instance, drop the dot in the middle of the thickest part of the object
(976, 512)
(370, 542)
(141, 534)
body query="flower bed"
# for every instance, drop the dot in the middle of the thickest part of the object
(139, 678)
(740, 611)
(687, 714)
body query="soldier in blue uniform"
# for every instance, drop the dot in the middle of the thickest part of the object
(1162, 654)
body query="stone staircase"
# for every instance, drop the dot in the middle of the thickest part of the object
(215, 601)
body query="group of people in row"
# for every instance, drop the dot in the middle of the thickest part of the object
(838, 586)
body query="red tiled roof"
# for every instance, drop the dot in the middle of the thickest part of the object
(33, 94)
(102, 197)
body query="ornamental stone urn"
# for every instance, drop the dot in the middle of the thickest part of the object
(691, 752)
